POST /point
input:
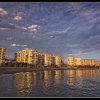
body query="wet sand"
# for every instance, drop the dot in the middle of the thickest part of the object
(11, 70)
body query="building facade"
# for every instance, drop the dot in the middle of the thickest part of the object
(97, 63)
(28, 55)
(78, 61)
(2, 55)
(88, 62)
(57, 61)
(47, 59)
(70, 61)
(41, 59)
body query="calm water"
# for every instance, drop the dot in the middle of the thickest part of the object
(59, 83)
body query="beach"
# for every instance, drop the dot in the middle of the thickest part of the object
(8, 70)
(11, 70)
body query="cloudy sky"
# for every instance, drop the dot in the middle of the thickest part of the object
(62, 29)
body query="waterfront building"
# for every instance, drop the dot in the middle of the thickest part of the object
(2, 55)
(44, 59)
(27, 55)
(82, 62)
(88, 62)
(47, 59)
(40, 59)
(97, 63)
(92, 62)
(78, 61)
(70, 61)
(57, 61)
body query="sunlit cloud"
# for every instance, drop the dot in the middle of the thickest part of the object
(17, 18)
(3, 12)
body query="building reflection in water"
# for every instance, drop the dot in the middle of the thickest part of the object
(76, 77)
(52, 78)
(90, 74)
(47, 78)
(58, 74)
(23, 82)
(71, 74)
(27, 82)
(58, 78)
(47, 75)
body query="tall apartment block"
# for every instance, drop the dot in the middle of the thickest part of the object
(56, 60)
(2, 55)
(40, 58)
(70, 61)
(77, 61)
(47, 59)
(27, 55)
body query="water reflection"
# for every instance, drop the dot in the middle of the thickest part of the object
(47, 75)
(51, 83)
(23, 82)
(76, 77)
(1, 82)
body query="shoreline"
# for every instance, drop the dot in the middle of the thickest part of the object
(11, 70)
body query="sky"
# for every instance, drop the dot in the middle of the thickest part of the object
(63, 29)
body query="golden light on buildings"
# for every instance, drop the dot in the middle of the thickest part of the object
(28, 55)
(70, 61)
(76, 61)
(57, 61)
(2, 55)
(47, 59)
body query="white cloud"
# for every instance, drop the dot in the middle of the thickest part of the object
(17, 45)
(3, 12)
(33, 27)
(59, 32)
(13, 45)
(2, 29)
(17, 18)
(51, 36)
